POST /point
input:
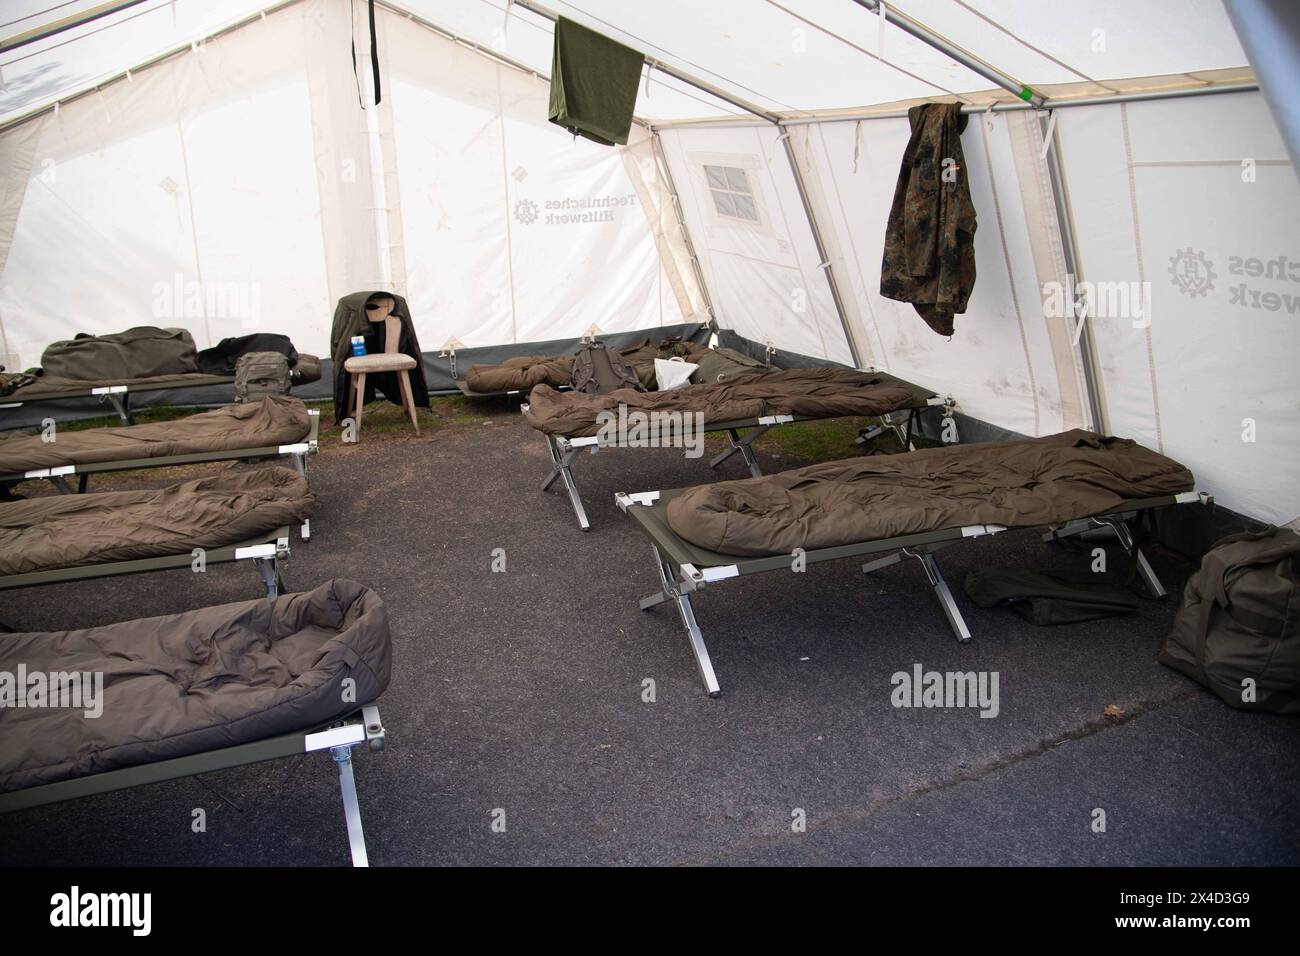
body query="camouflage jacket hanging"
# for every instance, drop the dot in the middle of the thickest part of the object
(929, 257)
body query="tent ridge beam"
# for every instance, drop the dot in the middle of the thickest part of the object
(1136, 96)
(945, 46)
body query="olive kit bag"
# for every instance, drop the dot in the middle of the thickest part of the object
(259, 374)
(1238, 631)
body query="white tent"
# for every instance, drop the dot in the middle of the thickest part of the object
(210, 164)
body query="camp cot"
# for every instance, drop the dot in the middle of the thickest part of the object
(243, 515)
(197, 692)
(119, 393)
(918, 504)
(570, 423)
(276, 426)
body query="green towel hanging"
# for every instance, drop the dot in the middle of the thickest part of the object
(594, 84)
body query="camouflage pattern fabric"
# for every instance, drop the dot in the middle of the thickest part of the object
(929, 257)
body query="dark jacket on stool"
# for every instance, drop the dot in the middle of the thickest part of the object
(349, 320)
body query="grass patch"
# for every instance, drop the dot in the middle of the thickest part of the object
(829, 439)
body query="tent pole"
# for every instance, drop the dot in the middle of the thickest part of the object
(1137, 96)
(70, 22)
(945, 46)
(1065, 222)
(658, 147)
(1268, 32)
(823, 257)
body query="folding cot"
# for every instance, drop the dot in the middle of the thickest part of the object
(197, 692)
(897, 405)
(276, 426)
(118, 394)
(240, 516)
(686, 566)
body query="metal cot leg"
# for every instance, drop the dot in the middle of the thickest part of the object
(734, 438)
(744, 446)
(1144, 569)
(561, 467)
(574, 498)
(935, 576)
(941, 591)
(122, 403)
(671, 592)
(1117, 527)
(556, 457)
(351, 807)
(269, 571)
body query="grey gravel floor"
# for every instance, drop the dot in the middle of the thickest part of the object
(521, 692)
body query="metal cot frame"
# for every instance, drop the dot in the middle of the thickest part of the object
(266, 551)
(119, 396)
(685, 568)
(564, 450)
(463, 387)
(360, 726)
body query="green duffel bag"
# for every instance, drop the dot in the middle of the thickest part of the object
(141, 352)
(1238, 631)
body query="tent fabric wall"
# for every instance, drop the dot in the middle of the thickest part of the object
(1196, 198)
(763, 275)
(242, 186)
(249, 172)
(512, 230)
(137, 211)
(1004, 363)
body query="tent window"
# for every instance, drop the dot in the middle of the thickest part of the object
(732, 197)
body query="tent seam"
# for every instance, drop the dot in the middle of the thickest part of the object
(1142, 272)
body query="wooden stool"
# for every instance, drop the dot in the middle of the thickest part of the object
(380, 309)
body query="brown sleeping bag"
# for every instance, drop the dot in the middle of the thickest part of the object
(810, 392)
(520, 373)
(69, 531)
(1018, 484)
(275, 420)
(523, 372)
(198, 681)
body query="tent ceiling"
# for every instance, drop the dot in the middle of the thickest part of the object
(793, 57)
